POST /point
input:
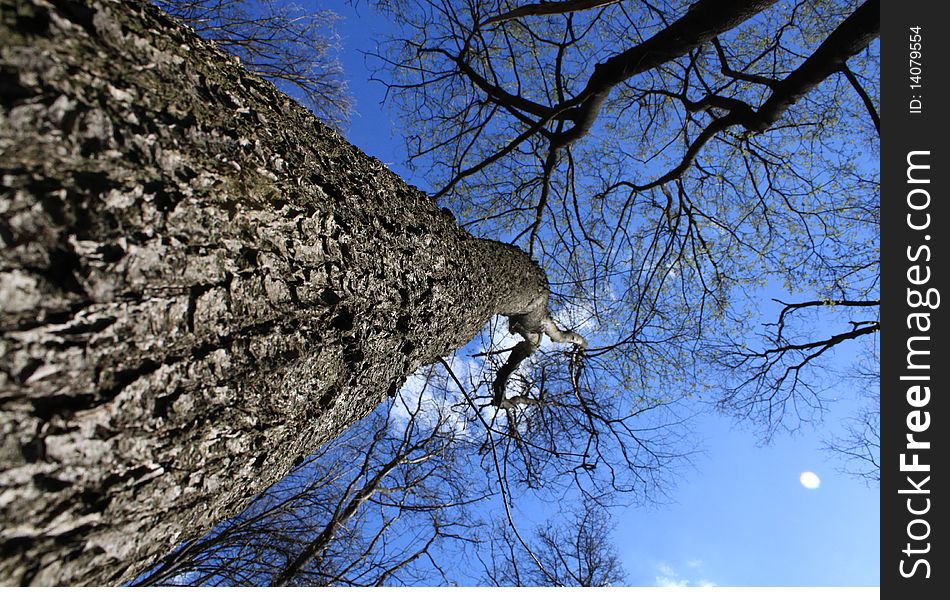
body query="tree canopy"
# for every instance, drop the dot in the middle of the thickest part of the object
(699, 180)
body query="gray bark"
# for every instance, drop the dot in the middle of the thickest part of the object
(199, 285)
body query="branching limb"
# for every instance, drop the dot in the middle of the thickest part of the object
(529, 326)
(849, 38)
(562, 336)
(741, 76)
(704, 20)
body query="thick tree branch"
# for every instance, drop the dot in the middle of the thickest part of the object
(852, 36)
(849, 38)
(519, 353)
(865, 98)
(791, 307)
(702, 22)
(548, 8)
(530, 326)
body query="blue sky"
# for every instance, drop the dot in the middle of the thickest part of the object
(742, 518)
(739, 516)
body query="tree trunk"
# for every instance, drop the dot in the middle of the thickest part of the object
(199, 285)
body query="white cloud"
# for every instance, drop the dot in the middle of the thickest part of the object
(416, 398)
(667, 576)
(578, 316)
(669, 582)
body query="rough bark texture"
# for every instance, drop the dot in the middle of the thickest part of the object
(200, 284)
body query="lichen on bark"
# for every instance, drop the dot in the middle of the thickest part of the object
(199, 285)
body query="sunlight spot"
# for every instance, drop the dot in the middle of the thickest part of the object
(809, 480)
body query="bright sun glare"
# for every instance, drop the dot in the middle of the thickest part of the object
(809, 480)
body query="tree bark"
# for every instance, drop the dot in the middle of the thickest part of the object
(199, 285)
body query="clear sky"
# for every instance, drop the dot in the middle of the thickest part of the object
(740, 516)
